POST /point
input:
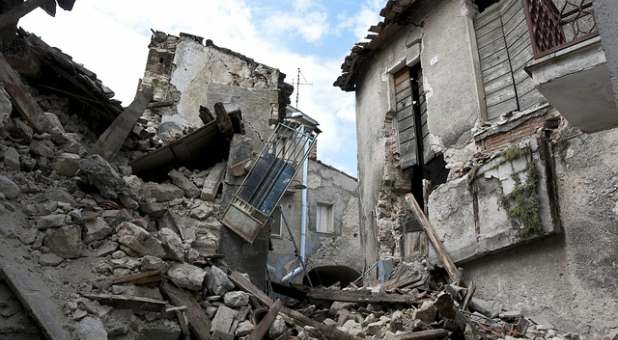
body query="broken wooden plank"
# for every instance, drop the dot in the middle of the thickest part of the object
(324, 332)
(429, 334)
(443, 255)
(110, 142)
(33, 293)
(223, 121)
(468, 297)
(26, 105)
(138, 279)
(136, 303)
(213, 182)
(359, 296)
(201, 148)
(262, 328)
(198, 320)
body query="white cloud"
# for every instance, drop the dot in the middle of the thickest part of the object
(111, 38)
(359, 23)
(308, 18)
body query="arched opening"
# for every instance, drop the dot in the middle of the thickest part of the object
(329, 275)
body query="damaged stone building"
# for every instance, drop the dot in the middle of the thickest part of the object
(200, 210)
(189, 76)
(500, 117)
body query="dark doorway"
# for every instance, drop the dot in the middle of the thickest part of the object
(329, 275)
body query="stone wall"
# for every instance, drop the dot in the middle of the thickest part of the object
(188, 74)
(567, 280)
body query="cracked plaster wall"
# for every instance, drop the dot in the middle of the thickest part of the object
(453, 107)
(568, 280)
(189, 74)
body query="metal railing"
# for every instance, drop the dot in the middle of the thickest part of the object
(557, 24)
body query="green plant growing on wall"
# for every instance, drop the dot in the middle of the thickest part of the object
(514, 152)
(522, 204)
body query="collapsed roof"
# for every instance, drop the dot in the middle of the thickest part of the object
(395, 14)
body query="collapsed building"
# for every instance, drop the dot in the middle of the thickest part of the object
(500, 118)
(193, 213)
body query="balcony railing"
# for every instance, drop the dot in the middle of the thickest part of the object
(557, 24)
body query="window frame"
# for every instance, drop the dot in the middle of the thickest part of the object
(331, 208)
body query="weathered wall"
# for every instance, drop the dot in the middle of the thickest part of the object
(325, 185)
(187, 74)
(329, 185)
(506, 201)
(606, 15)
(568, 281)
(449, 78)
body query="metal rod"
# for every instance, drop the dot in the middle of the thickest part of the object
(302, 262)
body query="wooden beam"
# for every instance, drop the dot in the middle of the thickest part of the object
(224, 123)
(33, 293)
(198, 320)
(469, 294)
(139, 278)
(429, 334)
(262, 328)
(136, 303)
(24, 102)
(110, 142)
(320, 330)
(359, 296)
(443, 255)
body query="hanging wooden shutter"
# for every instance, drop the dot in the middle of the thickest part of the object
(520, 51)
(406, 127)
(422, 106)
(504, 50)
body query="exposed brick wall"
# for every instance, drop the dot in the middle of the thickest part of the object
(503, 139)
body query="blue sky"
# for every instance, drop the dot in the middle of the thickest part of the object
(111, 38)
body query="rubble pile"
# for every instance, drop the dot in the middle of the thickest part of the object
(433, 309)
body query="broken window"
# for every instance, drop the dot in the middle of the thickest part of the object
(325, 220)
(504, 50)
(277, 224)
(269, 178)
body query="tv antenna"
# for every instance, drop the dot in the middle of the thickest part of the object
(299, 74)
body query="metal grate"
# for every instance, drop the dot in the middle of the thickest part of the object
(557, 24)
(268, 180)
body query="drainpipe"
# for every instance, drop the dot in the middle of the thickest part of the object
(304, 217)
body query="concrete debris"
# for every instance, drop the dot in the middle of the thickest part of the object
(236, 299)
(187, 276)
(91, 329)
(8, 188)
(96, 230)
(181, 181)
(162, 192)
(217, 281)
(65, 241)
(11, 159)
(67, 164)
(138, 240)
(172, 244)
